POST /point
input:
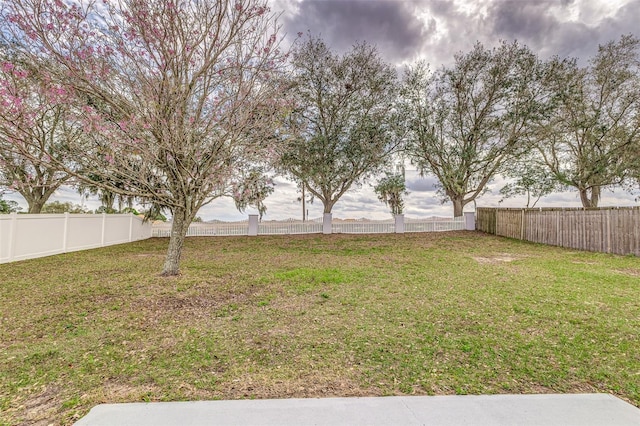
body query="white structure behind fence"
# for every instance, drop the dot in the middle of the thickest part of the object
(27, 236)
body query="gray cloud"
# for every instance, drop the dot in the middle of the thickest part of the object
(422, 184)
(543, 25)
(523, 20)
(434, 30)
(391, 25)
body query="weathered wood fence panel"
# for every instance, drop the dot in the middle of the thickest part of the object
(486, 221)
(608, 230)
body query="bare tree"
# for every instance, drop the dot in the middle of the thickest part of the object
(469, 122)
(592, 140)
(343, 123)
(176, 95)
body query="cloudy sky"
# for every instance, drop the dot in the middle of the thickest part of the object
(434, 30)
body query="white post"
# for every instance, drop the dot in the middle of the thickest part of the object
(469, 221)
(65, 232)
(104, 228)
(130, 227)
(399, 218)
(326, 223)
(13, 230)
(253, 225)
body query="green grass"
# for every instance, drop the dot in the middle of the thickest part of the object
(314, 316)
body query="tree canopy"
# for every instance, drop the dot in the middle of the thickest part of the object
(177, 103)
(175, 96)
(34, 130)
(343, 124)
(390, 190)
(469, 122)
(591, 141)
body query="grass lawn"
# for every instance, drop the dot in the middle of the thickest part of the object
(314, 316)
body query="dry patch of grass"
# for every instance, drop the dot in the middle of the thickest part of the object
(314, 316)
(632, 272)
(492, 260)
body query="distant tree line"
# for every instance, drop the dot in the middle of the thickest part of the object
(175, 104)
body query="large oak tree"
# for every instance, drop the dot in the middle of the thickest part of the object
(343, 122)
(592, 139)
(469, 122)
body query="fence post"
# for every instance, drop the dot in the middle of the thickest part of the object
(130, 227)
(522, 225)
(104, 228)
(495, 221)
(608, 230)
(326, 223)
(558, 232)
(253, 225)
(469, 221)
(399, 218)
(13, 230)
(65, 232)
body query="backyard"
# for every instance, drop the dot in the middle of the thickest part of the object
(314, 316)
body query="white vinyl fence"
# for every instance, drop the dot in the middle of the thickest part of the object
(204, 229)
(27, 236)
(322, 226)
(438, 224)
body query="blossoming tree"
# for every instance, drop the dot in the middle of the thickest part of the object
(32, 129)
(177, 98)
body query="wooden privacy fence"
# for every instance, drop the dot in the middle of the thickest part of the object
(607, 230)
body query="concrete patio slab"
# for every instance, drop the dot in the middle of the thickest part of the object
(495, 410)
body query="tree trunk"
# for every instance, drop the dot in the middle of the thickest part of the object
(303, 203)
(458, 206)
(179, 227)
(35, 205)
(36, 198)
(590, 201)
(328, 205)
(107, 198)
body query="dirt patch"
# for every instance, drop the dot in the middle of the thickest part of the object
(40, 408)
(122, 392)
(195, 305)
(309, 387)
(493, 260)
(631, 272)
